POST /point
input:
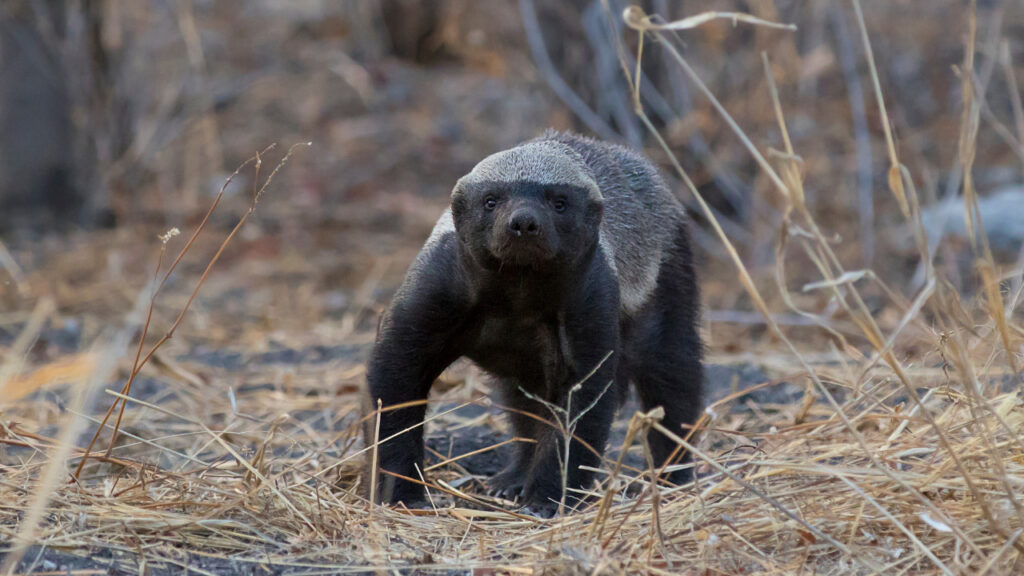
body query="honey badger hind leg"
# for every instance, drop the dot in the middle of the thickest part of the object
(665, 351)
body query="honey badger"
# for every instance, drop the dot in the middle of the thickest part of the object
(561, 261)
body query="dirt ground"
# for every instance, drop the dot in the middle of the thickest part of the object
(273, 342)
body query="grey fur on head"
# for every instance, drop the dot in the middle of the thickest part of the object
(544, 162)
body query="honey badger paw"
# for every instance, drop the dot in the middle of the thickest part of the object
(548, 507)
(546, 504)
(541, 509)
(507, 484)
(418, 504)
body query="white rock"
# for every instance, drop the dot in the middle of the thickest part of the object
(1002, 213)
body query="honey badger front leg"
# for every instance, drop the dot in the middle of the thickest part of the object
(416, 341)
(586, 396)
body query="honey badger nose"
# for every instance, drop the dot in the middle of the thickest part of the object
(524, 221)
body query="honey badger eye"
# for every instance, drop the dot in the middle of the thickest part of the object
(559, 204)
(490, 203)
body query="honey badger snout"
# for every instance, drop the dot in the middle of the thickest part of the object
(525, 235)
(524, 222)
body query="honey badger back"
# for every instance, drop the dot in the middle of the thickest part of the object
(642, 218)
(563, 260)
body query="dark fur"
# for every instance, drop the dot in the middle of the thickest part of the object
(537, 305)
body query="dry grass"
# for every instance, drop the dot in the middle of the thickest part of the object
(906, 456)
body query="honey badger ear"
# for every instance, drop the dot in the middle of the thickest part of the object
(596, 204)
(458, 199)
(586, 177)
(459, 208)
(592, 193)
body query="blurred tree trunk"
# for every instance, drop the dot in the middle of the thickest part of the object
(62, 124)
(37, 179)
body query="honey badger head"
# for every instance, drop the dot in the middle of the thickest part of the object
(534, 206)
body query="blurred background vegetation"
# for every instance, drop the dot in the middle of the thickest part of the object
(119, 119)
